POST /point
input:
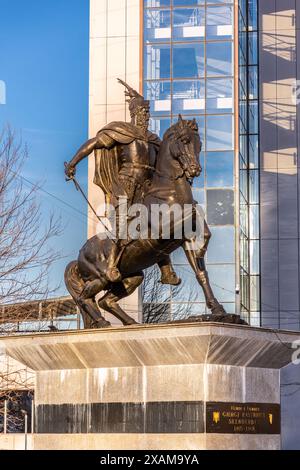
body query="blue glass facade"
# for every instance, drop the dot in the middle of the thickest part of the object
(249, 161)
(189, 69)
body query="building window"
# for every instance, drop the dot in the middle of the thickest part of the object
(249, 162)
(188, 69)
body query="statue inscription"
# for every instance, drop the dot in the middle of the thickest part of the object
(242, 418)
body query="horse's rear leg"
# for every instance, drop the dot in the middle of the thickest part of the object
(83, 294)
(92, 317)
(120, 291)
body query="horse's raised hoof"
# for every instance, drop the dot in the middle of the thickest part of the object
(218, 310)
(171, 279)
(133, 322)
(113, 275)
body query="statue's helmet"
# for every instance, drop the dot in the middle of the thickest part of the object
(135, 100)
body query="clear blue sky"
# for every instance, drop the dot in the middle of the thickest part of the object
(44, 62)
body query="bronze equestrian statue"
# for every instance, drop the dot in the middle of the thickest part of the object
(132, 162)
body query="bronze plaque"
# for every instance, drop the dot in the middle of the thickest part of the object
(242, 418)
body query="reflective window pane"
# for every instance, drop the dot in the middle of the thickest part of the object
(219, 22)
(199, 182)
(243, 117)
(219, 95)
(243, 217)
(253, 151)
(179, 257)
(230, 308)
(220, 206)
(157, 25)
(188, 97)
(253, 186)
(188, 24)
(200, 197)
(156, 312)
(189, 290)
(219, 1)
(244, 184)
(243, 83)
(221, 245)
(255, 320)
(254, 221)
(159, 94)
(252, 49)
(157, 61)
(181, 310)
(245, 292)
(222, 278)
(152, 289)
(243, 14)
(219, 169)
(159, 126)
(243, 151)
(219, 58)
(179, 3)
(157, 3)
(253, 117)
(242, 49)
(219, 133)
(254, 256)
(252, 15)
(188, 60)
(244, 251)
(253, 83)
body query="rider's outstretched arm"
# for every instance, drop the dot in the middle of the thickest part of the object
(85, 150)
(98, 142)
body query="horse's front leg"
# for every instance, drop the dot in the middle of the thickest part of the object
(197, 263)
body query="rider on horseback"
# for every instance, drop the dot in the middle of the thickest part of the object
(125, 156)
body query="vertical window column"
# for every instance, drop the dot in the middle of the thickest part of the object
(188, 69)
(249, 162)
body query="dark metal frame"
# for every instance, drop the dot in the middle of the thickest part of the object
(246, 302)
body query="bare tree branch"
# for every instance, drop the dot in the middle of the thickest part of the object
(25, 259)
(25, 252)
(156, 299)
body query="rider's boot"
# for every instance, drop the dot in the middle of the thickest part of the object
(112, 272)
(168, 275)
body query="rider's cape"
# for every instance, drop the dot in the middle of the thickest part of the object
(106, 160)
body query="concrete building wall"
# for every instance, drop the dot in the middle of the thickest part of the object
(114, 53)
(280, 184)
(279, 127)
(137, 442)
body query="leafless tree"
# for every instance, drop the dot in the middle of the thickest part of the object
(156, 299)
(16, 395)
(25, 259)
(25, 249)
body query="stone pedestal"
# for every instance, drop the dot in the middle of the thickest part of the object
(179, 386)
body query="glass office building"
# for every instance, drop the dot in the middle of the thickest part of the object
(189, 69)
(197, 58)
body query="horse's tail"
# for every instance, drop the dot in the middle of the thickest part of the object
(73, 280)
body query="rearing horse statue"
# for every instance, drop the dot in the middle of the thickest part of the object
(177, 164)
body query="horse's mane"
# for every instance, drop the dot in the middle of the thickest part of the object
(179, 126)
